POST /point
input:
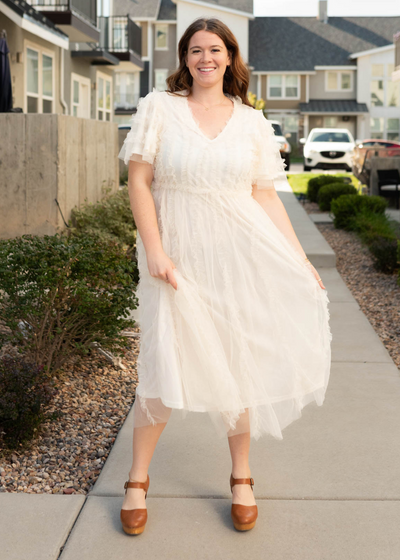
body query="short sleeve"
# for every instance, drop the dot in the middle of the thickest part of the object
(268, 164)
(142, 141)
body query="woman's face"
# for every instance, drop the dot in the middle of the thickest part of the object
(207, 58)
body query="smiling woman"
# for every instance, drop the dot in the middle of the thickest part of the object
(233, 318)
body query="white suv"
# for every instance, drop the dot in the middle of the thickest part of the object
(328, 148)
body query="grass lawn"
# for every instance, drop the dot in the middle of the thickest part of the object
(299, 181)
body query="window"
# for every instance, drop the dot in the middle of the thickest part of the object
(161, 37)
(377, 128)
(330, 137)
(103, 97)
(338, 81)
(281, 86)
(39, 81)
(160, 76)
(126, 90)
(393, 129)
(377, 93)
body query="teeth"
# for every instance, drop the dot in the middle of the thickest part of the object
(206, 69)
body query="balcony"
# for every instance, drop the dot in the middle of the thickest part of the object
(77, 18)
(396, 73)
(121, 36)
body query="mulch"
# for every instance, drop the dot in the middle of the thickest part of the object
(95, 398)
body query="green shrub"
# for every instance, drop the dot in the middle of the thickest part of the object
(347, 206)
(59, 294)
(384, 251)
(371, 226)
(316, 183)
(109, 219)
(329, 192)
(25, 394)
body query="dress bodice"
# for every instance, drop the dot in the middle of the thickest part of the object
(165, 133)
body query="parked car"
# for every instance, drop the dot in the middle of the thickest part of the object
(366, 149)
(328, 148)
(285, 147)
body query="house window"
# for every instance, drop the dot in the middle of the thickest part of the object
(39, 81)
(281, 86)
(377, 128)
(103, 97)
(338, 81)
(393, 129)
(161, 37)
(126, 90)
(377, 93)
(161, 76)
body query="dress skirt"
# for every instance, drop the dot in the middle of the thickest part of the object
(246, 335)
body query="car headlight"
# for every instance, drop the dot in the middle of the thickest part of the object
(313, 152)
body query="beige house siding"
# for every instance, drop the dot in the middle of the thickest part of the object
(318, 87)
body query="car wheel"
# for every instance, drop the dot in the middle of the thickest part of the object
(306, 168)
(287, 161)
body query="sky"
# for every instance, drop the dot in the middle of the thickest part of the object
(309, 8)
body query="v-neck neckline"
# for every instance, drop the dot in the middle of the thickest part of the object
(196, 124)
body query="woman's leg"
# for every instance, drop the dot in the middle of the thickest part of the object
(145, 439)
(239, 446)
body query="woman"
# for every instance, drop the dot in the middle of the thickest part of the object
(234, 318)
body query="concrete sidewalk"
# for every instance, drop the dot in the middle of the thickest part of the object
(329, 490)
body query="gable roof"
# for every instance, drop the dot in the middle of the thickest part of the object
(301, 43)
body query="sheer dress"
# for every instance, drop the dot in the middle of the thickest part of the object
(246, 336)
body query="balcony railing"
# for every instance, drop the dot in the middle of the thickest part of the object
(86, 8)
(119, 34)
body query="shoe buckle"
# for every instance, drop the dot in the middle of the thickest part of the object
(251, 483)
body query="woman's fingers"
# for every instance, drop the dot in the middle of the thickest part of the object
(171, 278)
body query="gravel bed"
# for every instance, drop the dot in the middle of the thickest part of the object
(69, 453)
(377, 294)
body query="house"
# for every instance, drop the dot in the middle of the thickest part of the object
(322, 72)
(63, 56)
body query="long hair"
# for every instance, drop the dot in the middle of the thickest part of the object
(237, 75)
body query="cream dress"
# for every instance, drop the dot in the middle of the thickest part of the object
(246, 335)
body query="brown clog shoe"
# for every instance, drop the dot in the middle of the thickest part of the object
(134, 520)
(243, 517)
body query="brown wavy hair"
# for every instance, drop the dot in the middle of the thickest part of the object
(237, 75)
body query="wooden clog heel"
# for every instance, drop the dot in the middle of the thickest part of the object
(134, 520)
(243, 517)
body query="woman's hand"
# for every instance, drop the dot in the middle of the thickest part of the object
(160, 266)
(317, 276)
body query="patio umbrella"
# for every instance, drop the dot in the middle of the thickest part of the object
(5, 78)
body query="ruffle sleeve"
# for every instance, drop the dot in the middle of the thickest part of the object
(142, 141)
(268, 164)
